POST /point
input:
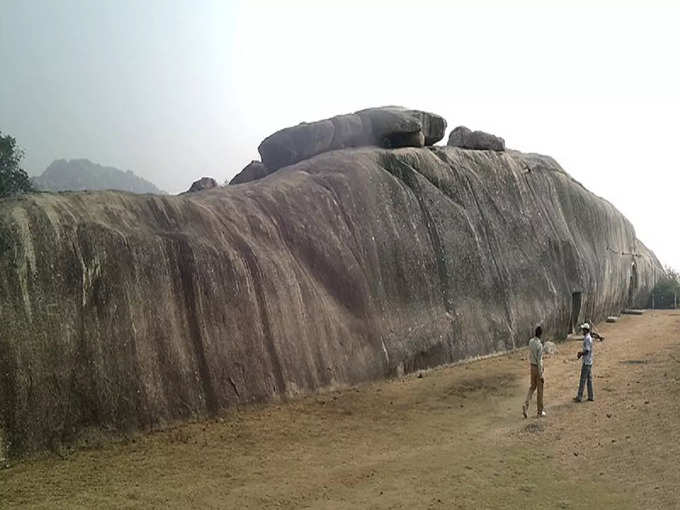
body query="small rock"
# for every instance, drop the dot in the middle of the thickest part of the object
(253, 171)
(203, 184)
(549, 348)
(609, 415)
(476, 140)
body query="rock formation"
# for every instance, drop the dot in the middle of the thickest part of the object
(122, 312)
(204, 183)
(253, 171)
(478, 140)
(389, 126)
(83, 174)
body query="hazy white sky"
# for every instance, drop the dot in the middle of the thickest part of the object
(176, 90)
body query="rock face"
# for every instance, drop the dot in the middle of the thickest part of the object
(389, 126)
(83, 174)
(122, 312)
(203, 184)
(253, 171)
(478, 140)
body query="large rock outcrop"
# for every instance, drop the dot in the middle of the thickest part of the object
(123, 312)
(388, 126)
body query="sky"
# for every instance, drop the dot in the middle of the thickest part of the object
(176, 90)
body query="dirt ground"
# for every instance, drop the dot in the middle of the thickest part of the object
(453, 438)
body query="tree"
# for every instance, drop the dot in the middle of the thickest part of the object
(13, 179)
(667, 290)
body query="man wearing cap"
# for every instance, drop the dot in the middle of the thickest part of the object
(587, 367)
(536, 365)
(593, 331)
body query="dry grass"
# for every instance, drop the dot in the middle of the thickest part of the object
(454, 438)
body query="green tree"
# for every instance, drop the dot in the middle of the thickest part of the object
(667, 290)
(13, 179)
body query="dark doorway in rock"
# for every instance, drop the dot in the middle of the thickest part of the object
(575, 311)
(632, 285)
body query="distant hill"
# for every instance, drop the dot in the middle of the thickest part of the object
(83, 174)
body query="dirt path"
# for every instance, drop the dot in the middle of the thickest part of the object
(454, 438)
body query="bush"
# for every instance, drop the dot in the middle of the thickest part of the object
(13, 179)
(666, 290)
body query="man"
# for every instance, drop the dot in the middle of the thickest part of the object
(593, 331)
(587, 367)
(536, 365)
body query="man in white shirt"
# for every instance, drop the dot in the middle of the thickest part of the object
(593, 331)
(587, 367)
(536, 366)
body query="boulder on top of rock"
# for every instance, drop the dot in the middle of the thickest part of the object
(253, 171)
(388, 126)
(203, 184)
(478, 140)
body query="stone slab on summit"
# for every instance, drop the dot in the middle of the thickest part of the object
(388, 127)
(477, 140)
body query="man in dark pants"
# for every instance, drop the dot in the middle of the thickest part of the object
(587, 366)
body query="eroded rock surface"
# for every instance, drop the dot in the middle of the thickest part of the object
(121, 312)
(478, 140)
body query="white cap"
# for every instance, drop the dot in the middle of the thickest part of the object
(585, 325)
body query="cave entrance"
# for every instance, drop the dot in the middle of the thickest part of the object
(575, 311)
(632, 284)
